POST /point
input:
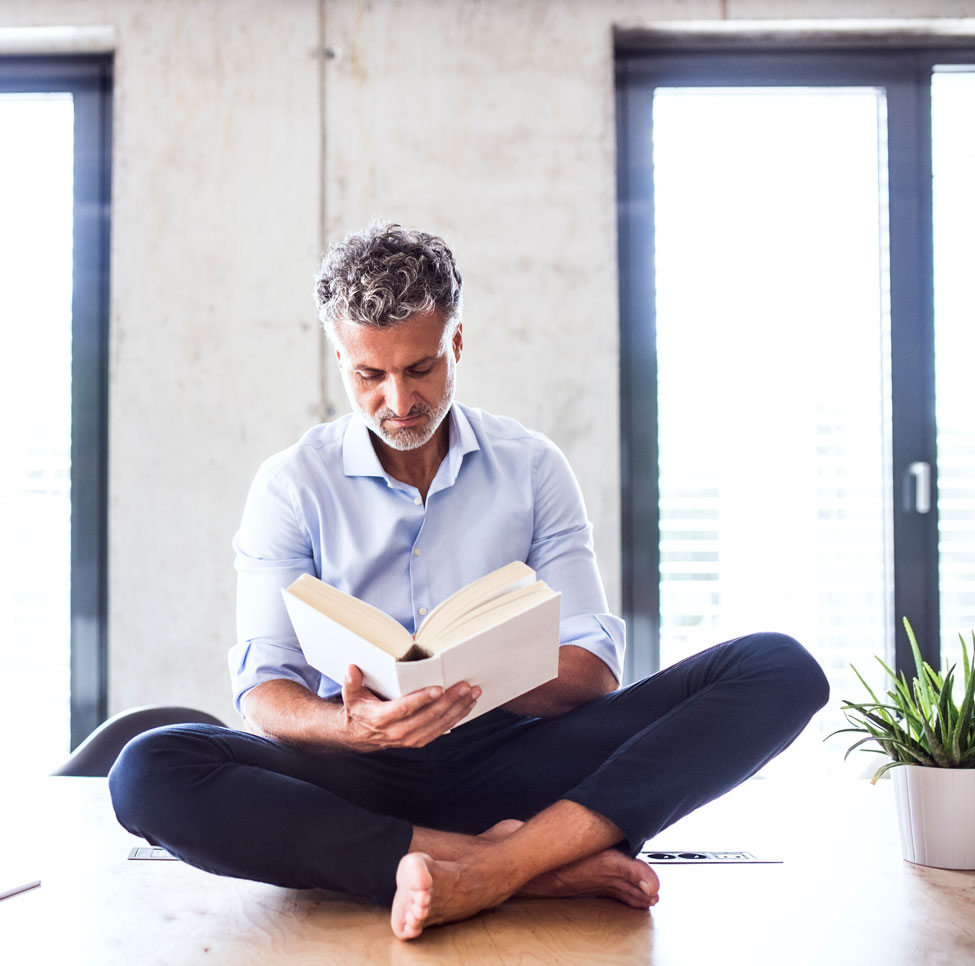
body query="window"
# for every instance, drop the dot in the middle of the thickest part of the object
(787, 273)
(55, 125)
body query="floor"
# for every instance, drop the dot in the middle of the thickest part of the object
(839, 893)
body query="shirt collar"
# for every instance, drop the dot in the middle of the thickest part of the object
(358, 456)
(462, 441)
(360, 459)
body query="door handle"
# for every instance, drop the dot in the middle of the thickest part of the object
(921, 475)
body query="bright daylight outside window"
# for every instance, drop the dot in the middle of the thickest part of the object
(953, 134)
(773, 393)
(36, 200)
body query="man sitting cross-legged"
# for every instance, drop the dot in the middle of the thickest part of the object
(401, 503)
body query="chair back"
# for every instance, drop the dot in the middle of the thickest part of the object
(95, 756)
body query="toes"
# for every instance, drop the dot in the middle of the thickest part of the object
(414, 896)
(413, 925)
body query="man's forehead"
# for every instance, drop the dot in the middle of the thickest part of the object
(402, 344)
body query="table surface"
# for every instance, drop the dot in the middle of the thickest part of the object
(841, 894)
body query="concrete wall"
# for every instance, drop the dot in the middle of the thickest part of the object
(215, 357)
(240, 153)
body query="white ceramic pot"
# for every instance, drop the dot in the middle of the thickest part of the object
(936, 812)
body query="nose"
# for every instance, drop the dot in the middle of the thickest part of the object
(399, 399)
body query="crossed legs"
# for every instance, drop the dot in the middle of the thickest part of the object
(544, 806)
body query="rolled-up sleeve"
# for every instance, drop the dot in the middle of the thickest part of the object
(273, 548)
(562, 555)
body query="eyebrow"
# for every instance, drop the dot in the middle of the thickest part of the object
(413, 365)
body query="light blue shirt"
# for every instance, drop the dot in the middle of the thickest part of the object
(325, 506)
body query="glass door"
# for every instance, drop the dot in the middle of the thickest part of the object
(953, 141)
(55, 132)
(778, 287)
(773, 393)
(36, 197)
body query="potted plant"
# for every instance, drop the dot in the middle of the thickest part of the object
(928, 740)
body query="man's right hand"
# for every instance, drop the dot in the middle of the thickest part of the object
(362, 721)
(412, 721)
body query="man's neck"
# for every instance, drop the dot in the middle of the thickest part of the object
(415, 467)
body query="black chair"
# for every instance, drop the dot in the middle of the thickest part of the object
(95, 756)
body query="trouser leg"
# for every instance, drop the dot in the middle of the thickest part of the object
(745, 703)
(239, 805)
(643, 756)
(652, 752)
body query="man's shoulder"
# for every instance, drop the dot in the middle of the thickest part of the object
(319, 447)
(490, 428)
(513, 448)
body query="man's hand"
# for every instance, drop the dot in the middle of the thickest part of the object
(288, 711)
(412, 721)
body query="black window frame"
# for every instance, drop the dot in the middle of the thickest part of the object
(905, 72)
(89, 79)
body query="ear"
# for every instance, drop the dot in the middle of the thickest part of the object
(335, 343)
(458, 342)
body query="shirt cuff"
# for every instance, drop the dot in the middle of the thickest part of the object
(254, 662)
(602, 634)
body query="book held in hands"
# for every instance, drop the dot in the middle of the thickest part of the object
(500, 633)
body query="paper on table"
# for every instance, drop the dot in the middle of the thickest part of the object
(11, 890)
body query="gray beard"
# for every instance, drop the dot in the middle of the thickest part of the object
(412, 437)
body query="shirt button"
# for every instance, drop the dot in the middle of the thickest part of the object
(422, 611)
(416, 551)
(418, 500)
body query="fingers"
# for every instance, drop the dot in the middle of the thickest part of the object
(413, 720)
(354, 690)
(416, 701)
(430, 717)
(442, 714)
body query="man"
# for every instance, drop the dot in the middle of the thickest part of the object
(404, 501)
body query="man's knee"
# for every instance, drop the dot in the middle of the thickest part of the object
(142, 782)
(796, 672)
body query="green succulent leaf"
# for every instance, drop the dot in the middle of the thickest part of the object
(873, 697)
(966, 712)
(918, 720)
(883, 769)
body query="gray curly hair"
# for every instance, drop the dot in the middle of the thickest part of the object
(385, 273)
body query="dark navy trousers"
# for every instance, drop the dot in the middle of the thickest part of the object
(644, 756)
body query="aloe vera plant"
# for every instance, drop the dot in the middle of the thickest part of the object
(919, 723)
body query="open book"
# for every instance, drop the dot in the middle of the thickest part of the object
(500, 632)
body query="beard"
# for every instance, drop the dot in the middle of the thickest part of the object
(412, 437)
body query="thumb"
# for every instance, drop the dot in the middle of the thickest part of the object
(352, 685)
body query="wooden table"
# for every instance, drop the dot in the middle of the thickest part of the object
(841, 895)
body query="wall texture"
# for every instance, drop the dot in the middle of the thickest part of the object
(251, 133)
(214, 353)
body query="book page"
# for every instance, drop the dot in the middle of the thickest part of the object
(491, 613)
(481, 591)
(361, 618)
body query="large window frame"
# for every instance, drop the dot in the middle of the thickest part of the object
(89, 79)
(905, 75)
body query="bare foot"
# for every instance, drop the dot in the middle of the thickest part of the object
(414, 896)
(609, 873)
(477, 875)
(430, 891)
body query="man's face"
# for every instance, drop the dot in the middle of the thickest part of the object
(400, 379)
